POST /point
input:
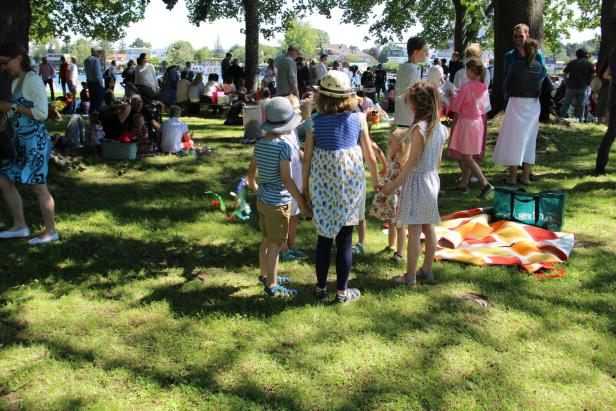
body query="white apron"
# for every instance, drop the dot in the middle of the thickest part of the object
(517, 139)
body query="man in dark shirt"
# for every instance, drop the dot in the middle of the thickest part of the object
(303, 75)
(579, 73)
(608, 139)
(224, 66)
(380, 76)
(235, 71)
(455, 64)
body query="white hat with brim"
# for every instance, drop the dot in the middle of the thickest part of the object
(336, 84)
(280, 117)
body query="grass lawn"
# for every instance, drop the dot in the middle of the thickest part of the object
(151, 301)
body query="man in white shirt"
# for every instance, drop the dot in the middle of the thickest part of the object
(408, 74)
(71, 76)
(172, 132)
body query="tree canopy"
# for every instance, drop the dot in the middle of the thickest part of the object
(104, 20)
(303, 35)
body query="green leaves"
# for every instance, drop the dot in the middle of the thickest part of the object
(91, 18)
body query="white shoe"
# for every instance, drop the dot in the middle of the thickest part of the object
(474, 179)
(42, 240)
(24, 232)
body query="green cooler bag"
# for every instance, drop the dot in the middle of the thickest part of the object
(545, 209)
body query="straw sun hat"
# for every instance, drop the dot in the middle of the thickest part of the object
(336, 84)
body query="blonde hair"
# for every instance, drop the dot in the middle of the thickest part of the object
(522, 27)
(423, 98)
(335, 105)
(402, 136)
(477, 67)
(473, 51)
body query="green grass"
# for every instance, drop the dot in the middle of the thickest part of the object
(150, 301)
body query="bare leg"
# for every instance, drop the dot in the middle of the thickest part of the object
(430, 246)
(272, 263)
(401, 231)
(263, 257)
(361, 231)
(473, 167)
(391, 235)
(47, 205)
(513, 171)
(292, 232)
(413, 249)
(526, 169)
(13, 201)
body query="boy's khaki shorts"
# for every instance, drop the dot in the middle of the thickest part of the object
(274, 221)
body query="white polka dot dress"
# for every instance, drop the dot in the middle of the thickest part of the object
(419, 196)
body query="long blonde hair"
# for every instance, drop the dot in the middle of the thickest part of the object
(402, 136)
(423, 98)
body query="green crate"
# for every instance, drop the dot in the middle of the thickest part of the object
(114, 150)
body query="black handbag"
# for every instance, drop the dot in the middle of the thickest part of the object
(8, 151)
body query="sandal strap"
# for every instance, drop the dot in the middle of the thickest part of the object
(280, 292)
(281, 279)
(410, 280)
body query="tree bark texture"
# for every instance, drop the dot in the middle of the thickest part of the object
(507, 14)
(251, 65)
(461, 36)
(608, 30)
(15, 26)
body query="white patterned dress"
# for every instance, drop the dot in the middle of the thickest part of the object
(419, 197)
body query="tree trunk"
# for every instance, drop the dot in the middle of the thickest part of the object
(461, 35)
(506, 15)
(16, 19)
(251, 65)
(608, 30)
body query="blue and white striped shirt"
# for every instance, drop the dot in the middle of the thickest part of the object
(269, 153)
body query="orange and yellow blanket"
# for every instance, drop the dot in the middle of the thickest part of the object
(469, 237)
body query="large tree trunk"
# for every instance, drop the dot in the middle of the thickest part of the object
(608, 30)
(251, 65)
(508, 13)
(15, 26)
(461, 35)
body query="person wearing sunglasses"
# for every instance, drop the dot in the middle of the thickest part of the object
(521, 33)
(27, 112)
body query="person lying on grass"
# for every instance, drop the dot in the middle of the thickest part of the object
(272, 159)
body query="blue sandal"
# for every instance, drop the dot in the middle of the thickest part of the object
(352, 294)
(280, 292)
(281, 279)
(426, 276)
(320, 295)
(409, 281)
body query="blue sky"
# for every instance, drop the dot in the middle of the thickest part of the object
(161, 27)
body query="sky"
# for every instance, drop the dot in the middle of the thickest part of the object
(162, 27)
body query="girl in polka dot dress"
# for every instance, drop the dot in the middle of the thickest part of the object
(418, 205)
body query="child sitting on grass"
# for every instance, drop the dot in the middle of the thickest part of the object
(175, 136)
(272, 159)
(139, 132)
(95, 133)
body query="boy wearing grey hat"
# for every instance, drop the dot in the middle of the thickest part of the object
(272, 159)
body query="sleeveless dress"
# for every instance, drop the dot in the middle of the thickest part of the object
(419, 197)
(337, 178)
(33, 145)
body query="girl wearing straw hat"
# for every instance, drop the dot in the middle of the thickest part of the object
(334, 179)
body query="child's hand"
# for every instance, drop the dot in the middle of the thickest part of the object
(305, 209)
(384, 172)
(253, 186)
(306, 195)
(388, 189)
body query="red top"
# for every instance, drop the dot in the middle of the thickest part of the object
(63, 70)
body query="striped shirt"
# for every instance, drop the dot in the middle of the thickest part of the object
(336, 131)
(269, 153)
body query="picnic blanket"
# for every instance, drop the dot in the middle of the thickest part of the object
(469, 237)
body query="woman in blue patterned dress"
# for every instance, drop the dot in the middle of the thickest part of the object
(27, 112)
(333, 178)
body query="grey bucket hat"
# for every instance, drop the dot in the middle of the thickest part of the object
(279, 116)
